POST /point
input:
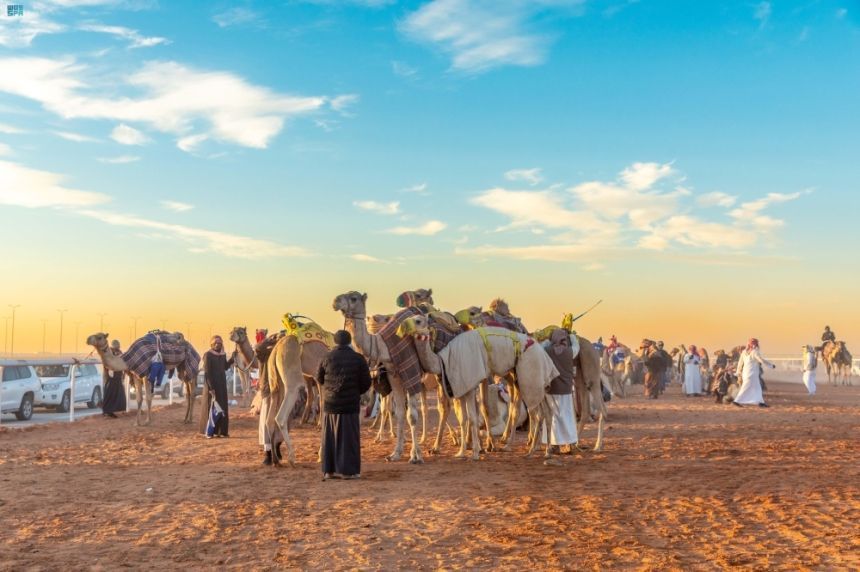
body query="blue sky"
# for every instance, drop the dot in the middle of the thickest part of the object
(373, 144)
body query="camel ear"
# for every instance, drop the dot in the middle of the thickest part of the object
(364, 297)
(430, 292)
(107, 335)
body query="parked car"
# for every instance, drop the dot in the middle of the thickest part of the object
(56, 385)
(18, 393)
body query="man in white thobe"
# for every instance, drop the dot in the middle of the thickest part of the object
(809, 367)
(749, 371)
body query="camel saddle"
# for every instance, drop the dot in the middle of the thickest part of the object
(307, 332)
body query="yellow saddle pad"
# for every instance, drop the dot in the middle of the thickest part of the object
(307, 332)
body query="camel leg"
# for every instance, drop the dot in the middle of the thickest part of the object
(381, 417)
(472, 416)
(148, 389)
(281, 421)
(513, 414)
(138, 393)
(442, 407)
(460, 408)
(413, 402)
(398, 397)
(423, 396)
(485, 413)
(189, 400)
(309, 403)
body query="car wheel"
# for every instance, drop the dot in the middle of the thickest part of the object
(97, 397)
(66, 403)
(25, 412)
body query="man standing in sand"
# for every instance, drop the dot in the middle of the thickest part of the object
(344, 377)
(655, 368)
(749, 372)
(809, 366)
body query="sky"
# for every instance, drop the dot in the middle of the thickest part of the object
(201, 165)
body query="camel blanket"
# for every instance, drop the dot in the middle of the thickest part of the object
(476, 355)
(307, 332)
(404, 356)
(181, 356)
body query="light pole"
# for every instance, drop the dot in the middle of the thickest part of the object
(5, 333)
(77, 329)
(61, 329)
(135, 318)
(12, 341)
(163, 324)
(102, 321)
(44, 335)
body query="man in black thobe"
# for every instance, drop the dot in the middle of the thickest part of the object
(344, 377)
(114, 391)
(215, 366)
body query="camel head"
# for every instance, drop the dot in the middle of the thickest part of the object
(416, 326)
(500, 307)
(675, 351)
(351, 305)
(415, 298)
(377, 321)
(470, 317)
(99, 341)
(239, 334)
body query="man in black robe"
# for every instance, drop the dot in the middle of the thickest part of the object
(344, 376)
(215, 366)
(114, 390)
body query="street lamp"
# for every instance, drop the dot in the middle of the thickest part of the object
(77, 329)
(61, 329)
(12, 341)
(5, 333)
(102, 321)
(135, 318)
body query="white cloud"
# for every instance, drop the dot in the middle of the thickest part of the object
(135, 39)
(19, 32)
(238, 16)
(429, 228)
(391, 208)
(530, 176)
(119, 160)
(482, 34)
(10, 129)
(594, 266)
(366, 258)
(631, 213)
(76, 137)
(125, 135)
(550, 252)
(24, 187)
(716, 199)
(341, 103)
(5, 150)
(172, 98)
(419, 189)
(403, 69)
(642, 176)
(176, 206)
(538, 209)
(200, 240)
(190, 143)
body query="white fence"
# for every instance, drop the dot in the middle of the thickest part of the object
(73, 363)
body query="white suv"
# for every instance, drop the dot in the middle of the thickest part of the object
(19, 391)
(56, 386)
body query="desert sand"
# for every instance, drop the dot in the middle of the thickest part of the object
(682, 484)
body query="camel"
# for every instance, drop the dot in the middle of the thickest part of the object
(245, 360)
(353, 307)
(838, 361)
(186, 370)
(293, 363)
(420, 297)
(492, 351)
(615, 374)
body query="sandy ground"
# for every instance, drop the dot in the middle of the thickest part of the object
(682, 484)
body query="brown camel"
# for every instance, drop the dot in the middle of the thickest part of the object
(111, 362)
(245, 360)
(353, 307)
(838, 361)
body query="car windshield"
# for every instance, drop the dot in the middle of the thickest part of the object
(52, 370)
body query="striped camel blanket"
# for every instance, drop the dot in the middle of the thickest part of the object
(404, 357)
(175, 354)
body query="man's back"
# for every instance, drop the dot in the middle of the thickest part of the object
(344, 375)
